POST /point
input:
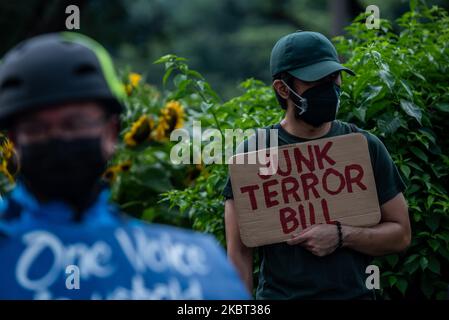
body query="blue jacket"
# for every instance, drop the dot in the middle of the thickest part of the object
(44, 254)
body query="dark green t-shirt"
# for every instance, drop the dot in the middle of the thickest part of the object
(292, 272)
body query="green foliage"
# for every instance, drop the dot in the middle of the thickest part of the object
(256, 107)
(400, 94)
(146, 157)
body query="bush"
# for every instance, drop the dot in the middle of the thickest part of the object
(141, 169)
(400, 94)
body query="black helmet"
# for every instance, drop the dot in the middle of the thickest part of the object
(56, 68)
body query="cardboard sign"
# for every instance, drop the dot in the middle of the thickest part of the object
(321, 181)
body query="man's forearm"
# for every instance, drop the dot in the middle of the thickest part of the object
(382, 239)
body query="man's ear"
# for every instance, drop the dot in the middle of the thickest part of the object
(281, 88)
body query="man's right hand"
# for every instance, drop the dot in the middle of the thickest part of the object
(239, 254)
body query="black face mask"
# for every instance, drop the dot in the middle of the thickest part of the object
(67, 170)
(317, 105)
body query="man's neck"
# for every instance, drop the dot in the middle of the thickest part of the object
(301, 129)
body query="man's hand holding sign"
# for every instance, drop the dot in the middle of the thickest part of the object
(319, 182)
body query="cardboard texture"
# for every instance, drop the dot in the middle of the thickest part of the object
(321, 181)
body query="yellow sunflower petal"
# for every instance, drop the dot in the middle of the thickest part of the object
(134, 79)
(171, 117)
(140, 131)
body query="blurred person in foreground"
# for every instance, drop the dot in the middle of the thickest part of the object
(60, 237)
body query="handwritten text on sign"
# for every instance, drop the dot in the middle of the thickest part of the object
(321, 181)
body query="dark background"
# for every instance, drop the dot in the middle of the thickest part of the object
(226, 40)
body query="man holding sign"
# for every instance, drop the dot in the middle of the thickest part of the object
(335, 198)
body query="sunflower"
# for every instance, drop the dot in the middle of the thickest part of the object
(111, 173)
(133, 82)
(7, 149)
(4, 170)
(195, 172)
(172, 117)
(9, 162)
(140, 131)
(125, 166)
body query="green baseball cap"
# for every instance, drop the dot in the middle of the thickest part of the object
(306, 55)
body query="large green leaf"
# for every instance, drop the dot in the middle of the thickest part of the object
(411, 109)
(442, 106)
(419, 153)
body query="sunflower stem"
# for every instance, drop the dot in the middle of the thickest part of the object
(211, 109)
